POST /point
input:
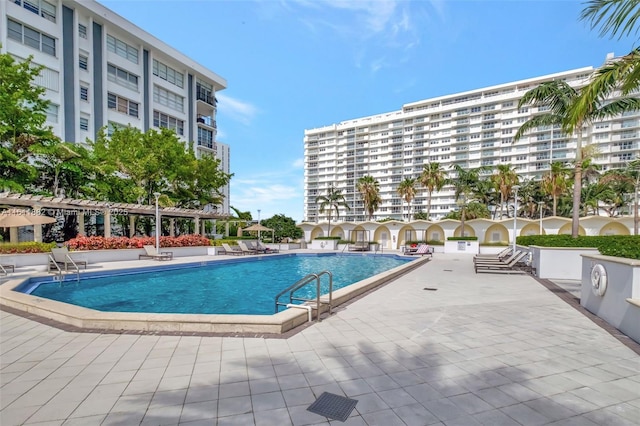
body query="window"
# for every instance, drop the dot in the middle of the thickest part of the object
(84, 123)
(83, 63)
(123, 105)
(52, 113)
(167, 73)
(205, 137)
(122, 49)
(31, 37)
(113, 126)
(168, 122)
(84, 93)
(122, 77)
(39, 7)
(82, 31)
(169, 99)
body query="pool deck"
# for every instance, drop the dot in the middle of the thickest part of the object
(478, 350)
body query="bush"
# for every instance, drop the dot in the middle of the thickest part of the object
(102, 243)
(26, 247)
(462, 238)
(327, 238)
(627, 246)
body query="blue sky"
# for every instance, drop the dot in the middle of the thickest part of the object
(293, 65)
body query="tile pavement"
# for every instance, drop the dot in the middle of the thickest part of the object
(480, 350)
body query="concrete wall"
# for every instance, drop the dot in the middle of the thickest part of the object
(623, 283)
(559, 262)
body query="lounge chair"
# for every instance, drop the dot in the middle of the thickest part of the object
(504, 253)
(422, 250)
(5, 268)
(266, 249)
(151, 253)
(62, 257)
(249, 250)
(502, 267)
(227, 249)
(494, 260)
(359, 246)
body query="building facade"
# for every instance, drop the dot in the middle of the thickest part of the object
(102, 70)
(469, 129)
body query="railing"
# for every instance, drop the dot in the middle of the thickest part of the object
(55, 267)
(301, 283)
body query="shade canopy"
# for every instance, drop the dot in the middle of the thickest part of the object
(257, 227)
(19, 217)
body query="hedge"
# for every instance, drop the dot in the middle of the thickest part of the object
(26, 247)
(102, 243)
(627, 246)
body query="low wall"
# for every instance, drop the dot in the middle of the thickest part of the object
(324, 245)
(620, 303)
(96, 256)
(559, 263)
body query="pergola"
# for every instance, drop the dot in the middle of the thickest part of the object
(55, 206)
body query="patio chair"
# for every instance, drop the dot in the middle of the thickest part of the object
(502, 267)
(151, 253)
(227, 249)
(504, 253)
(422, 250)
(249, 250)
(266, 249)
(5, 268)
(494, 260)
(62, 257)
(359, 246)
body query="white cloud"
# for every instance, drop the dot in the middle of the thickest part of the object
(237, 110)
(298, 163)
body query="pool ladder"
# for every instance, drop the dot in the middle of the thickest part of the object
(307, 302)
(54, 267)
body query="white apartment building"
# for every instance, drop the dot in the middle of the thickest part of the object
(471, 129)
(102, 70)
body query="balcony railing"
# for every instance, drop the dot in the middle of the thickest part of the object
(205, 95)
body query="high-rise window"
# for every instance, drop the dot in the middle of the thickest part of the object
(31, 37)
(167, 73)
(122, 77)
(39, 7)
(123, 105)
(169, 99)
(168, 122)
(122, 49)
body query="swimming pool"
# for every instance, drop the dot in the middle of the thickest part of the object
(231, 287)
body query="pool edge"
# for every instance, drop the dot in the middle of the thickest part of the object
(89, 319)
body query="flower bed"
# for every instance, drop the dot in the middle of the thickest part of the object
(102, 243)
(26, 247)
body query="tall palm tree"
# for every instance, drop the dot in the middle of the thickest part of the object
(407, 190)
(464, 183)
(433, 178)
(555, 183)
(504, 179)
(628, 180)
(569, 109)
(333, 200)
(369, 189)
(617, 17)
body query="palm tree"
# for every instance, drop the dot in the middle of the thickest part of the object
(369, 189)
(555, 183)
(464, 183)
(433, 178)
(613, 16)
(629, 180)
(333, 200)
(407, 190)
(504, 179)
(485, 192)
(569, 109)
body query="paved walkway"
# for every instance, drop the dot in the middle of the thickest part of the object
(481, 349)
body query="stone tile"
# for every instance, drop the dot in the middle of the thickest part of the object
(524, 415)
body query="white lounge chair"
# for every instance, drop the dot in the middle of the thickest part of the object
(422, 250)
(62, 257)
(151, 253)
(227, 249)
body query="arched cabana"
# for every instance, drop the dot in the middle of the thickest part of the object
(566, 229)
(496, 233)
(468, 231)
(337, 231)
(408, 233)
(614, 228)
(383, 235)
(435, 233)
(317, 232)
(532, 229)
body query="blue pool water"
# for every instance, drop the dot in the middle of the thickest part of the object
(228, 287)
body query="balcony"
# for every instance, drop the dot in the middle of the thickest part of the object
(207, 121)
(205, 95)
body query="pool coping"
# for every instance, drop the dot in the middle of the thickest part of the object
(85, 318)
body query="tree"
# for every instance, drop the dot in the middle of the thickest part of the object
(283, 227)
(555, 183)
(333, 200)
(617, 17)
(504, 179)
(369, 189)
(473, 210)
(433, 178)
(22, 121)
(567, 107)
(407, 190)
(464, 183)
(628, 180)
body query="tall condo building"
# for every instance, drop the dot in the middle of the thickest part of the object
(102, 70)
(469, 129)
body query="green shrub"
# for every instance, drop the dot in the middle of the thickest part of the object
(627, 246)
(26, 247)
(327, 238)
(462, 238)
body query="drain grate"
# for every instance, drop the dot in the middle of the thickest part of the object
(333, 406)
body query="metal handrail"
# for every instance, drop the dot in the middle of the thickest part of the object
(69, 259)
(303, 282)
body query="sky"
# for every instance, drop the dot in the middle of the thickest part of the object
(292, 65)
